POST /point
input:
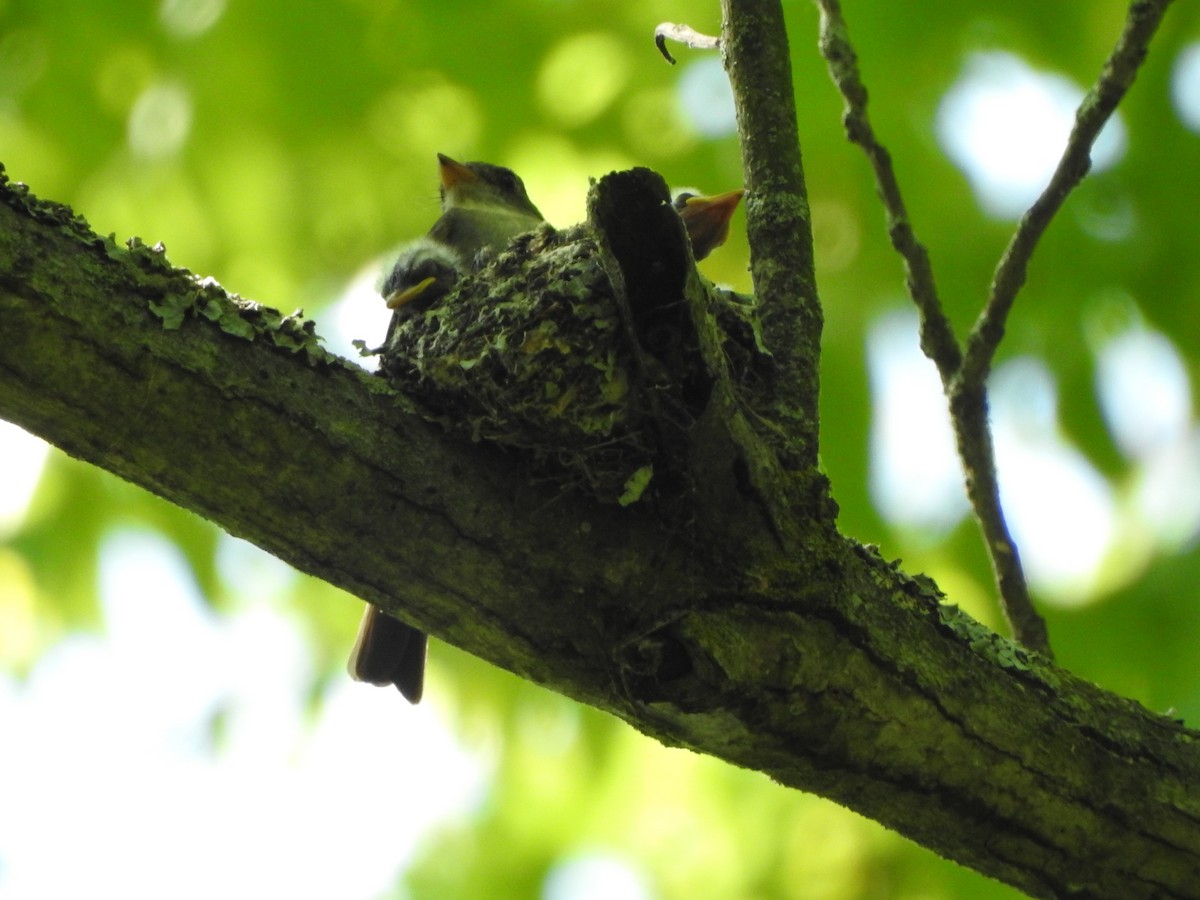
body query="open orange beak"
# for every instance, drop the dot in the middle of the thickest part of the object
(454, 172)
(707, 220)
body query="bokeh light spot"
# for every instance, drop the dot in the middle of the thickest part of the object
(1167, 494)
(837, 234)
(427, 115)
(1144, 391)
(582, 76)
(1006, 124)
(123, 721)
(1145, 395)
(707, 98)
(1060, 510)
(654, 124)
(24, 458)
(916, 480)
(18, 618)
(1107, 216)
(1185, 86)
(160, 121)
(190, 18)
(594, 876)
(359, 314)
(556, 172)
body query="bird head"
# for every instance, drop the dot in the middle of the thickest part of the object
(707, 219)
(480, 184)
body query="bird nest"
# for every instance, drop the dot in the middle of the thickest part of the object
(530, 352)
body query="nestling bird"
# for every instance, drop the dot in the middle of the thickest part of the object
(483, 208)
(424, 271)
(706, 219)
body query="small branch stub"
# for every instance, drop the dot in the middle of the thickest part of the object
(683, 34)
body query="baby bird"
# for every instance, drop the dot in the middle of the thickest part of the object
(483, 208)
(706, 219)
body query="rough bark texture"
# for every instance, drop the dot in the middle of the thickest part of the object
(754, 48)
(719, 610)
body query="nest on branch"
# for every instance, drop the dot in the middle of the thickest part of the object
(582, 346)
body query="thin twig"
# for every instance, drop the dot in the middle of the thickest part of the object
(970, 422)
(964, 376)
(1097, 107)
(968, 390)
(937, 336)
(973, 436)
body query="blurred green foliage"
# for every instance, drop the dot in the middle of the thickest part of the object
(285, 148)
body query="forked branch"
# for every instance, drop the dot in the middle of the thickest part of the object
(964, 373)
(1098, 105)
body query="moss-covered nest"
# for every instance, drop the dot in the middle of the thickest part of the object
(529, 352)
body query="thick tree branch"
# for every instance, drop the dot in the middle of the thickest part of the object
(824, 667)
(755, 50)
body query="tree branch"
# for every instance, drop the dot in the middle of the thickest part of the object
(755, 51)
(968, 408)
(967, 390)
(964, 375)
(1098, 105)
(937, 335)
(822, 666)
